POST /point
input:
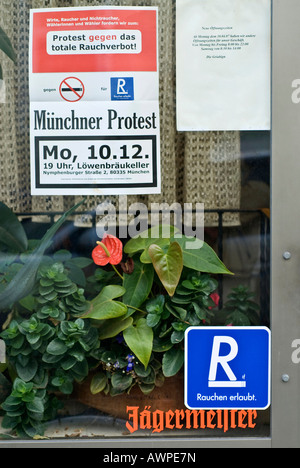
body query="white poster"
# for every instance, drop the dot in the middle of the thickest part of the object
(94, 108)
(223, 64)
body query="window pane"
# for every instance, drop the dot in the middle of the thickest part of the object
(58, 305)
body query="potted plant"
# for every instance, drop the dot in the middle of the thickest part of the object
(116, 331)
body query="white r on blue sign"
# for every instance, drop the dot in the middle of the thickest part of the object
(227, 367)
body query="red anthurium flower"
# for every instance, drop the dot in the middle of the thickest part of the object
(110, 250)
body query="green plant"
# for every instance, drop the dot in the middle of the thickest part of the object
(48, 346)
(49, 350)
(125, 322)
(240, 309)
(27, 408)
(23, 282)
(169, 287)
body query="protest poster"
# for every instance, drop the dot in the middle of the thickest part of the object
(94, 112)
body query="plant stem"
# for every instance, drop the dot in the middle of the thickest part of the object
(108, 254)
(135, 308)
(119, 274)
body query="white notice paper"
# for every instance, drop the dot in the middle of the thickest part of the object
(223, 65)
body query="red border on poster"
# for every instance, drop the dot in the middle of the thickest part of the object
(143, 20)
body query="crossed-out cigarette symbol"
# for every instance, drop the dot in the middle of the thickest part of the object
(71, 89)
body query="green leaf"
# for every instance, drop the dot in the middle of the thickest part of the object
(112, 327)
(201, 313)
(138, 285)
(10, 423)
(36, 406)
(80, 262)
(27, 372)
(203, 259)
(178, 312)
(80, 370)
(33, 338)
(238, 319)
(156, 305)
(28, 303)
(141, 371)
(153, 319)
(98, 383)
(139, 338)
(161, 345)
(62, 255)
(147, 388)
(172, 361)
(177, 337)
(75, 267)
(6, 46)
(68, 363)
(136, 244)
(56, 347)
(104, 307)
(23, 282)
(121, 381)
(168, 265)
(159, 235)
(12, 233)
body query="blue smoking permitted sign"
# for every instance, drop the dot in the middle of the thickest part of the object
(227, 367)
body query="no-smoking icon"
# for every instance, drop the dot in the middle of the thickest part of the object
(71, 89)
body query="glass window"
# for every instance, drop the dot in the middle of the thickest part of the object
(85, 357)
